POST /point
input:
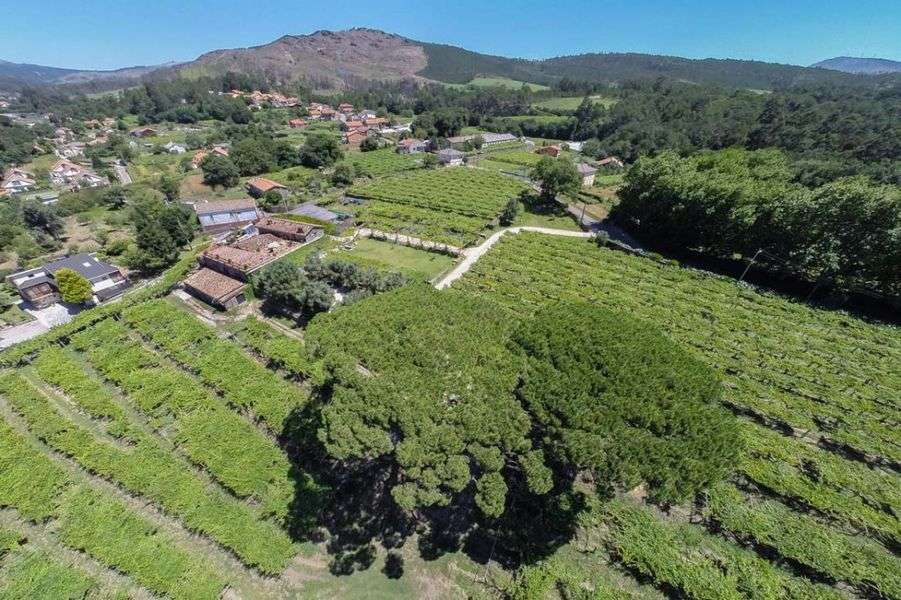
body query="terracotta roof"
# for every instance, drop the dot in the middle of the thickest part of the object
(353, 124)
(217, 206)
(264, 185)
(375, 121)
(213, 284)
(264, 243)
(243, 260)
(285, 226)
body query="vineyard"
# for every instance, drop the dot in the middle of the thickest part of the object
(451, 205)
(516, 157)
(817, 489)
(383, 162)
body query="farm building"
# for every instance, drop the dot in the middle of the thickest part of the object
(611, 161)
(239, 263)
(38, 286)
(223, 215)
(142, 132)
(492, 139)
(450, 157)
(412, 146)
(289, 230)
(258, 186)
(296, 123)
(311, 210)
(215, 288)
(587, 173)
(554, 150)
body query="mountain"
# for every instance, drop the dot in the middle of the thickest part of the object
(16, 75)
(342, 59)
(860, 66)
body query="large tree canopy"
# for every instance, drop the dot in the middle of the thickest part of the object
(612, 394)
(433, 393)
(436, 388)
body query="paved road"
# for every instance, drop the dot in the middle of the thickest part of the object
(20, 333)
(473, 254)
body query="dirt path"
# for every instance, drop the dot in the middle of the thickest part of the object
(471, 255)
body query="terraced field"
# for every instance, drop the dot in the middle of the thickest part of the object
(449, 205)
(818, 488)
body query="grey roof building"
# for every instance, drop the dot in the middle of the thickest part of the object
(38, 286)
(310, 209)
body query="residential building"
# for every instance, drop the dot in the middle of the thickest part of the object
(223, 215)
(39, 288)
(201, 154)
(174, 148)
(289, 230)
(345, 108)
(587, 173)
(215, 288)
(450, 157)
(258, 186)
(296, 123)
(351, 125)
(17, 181)
(412, 146)
(74, 176)
(377, 122)
(611, 161)
(356, 136)
(244, 257)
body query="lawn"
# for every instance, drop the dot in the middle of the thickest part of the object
(516, 157)
(386, 256)
(571, 103)
(503, 82)
(559, 219)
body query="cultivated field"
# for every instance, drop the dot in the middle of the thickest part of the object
(450, 205)
(817, 491)
(516, 157)
(571, 103)
(379, 163)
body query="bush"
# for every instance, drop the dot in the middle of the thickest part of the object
(73, 287)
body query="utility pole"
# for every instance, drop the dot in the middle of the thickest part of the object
(748, 268)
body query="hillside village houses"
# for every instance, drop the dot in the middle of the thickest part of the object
(260, 99)
(38, 286)
(142, 132)
(74, 176)
(450, 157)
(611, 161)
(17, 181)
(296, 123)
(412, 146)
(258, 186)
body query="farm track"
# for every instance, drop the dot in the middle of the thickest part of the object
(474, 254)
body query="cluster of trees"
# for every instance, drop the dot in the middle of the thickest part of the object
(354, 281)
(462, 411)
(17, 141)
(844, 233)
(161, 230)
(29, 228)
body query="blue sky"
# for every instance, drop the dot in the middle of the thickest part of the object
(111, 34)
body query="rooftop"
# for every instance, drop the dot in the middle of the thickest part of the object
(213, 284)
(221, 206)
(264, 185)
(285, 226)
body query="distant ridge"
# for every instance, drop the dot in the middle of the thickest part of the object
(347, 59)
(860, 66)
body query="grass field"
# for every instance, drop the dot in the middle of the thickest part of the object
(516, 157)
(489, 82)
(450, 205)
(416, 264)
(571, 103)
(816, 391)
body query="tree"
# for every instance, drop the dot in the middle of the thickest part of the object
(73, 287)
(343, 175)
(320, 150)
(169, 186)
(511, 209)
(284, 285)
(160, 230)
(429, 161)
(369, 144)
(43, 218)
(620, 399)
(219, 171)
(556, 176)
(253, 156)
(271, 199)
(114, 197)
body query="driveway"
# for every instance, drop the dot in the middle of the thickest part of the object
(473, 254)
(44, 319)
